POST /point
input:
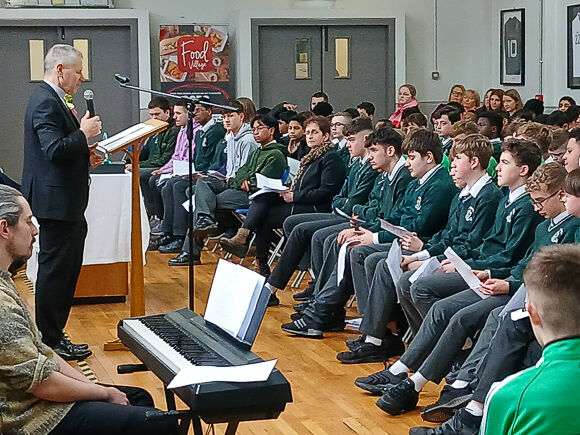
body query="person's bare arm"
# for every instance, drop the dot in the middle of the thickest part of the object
(61, 388)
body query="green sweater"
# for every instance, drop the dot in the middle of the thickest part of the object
(542, 400)
(509, 238)
(161, 147)
(270, 161)
(386, 193)
(206, 147)
(547, 233)
(424, 207)
(474, 217)
(344, 154)
(25, 362)
(358, 185)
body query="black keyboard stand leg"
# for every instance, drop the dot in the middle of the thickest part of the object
(196, 423)
(232, 428)
(169, 399)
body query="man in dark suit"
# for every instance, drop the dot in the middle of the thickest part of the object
(55, 181)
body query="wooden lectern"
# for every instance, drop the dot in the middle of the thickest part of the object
(133, 137)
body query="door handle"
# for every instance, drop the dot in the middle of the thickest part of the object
(61, 33)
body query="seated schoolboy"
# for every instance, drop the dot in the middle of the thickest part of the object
(319, 179)
(297, 146)
(538, 133)
(505, 346)
(490, 124)
(452, 320)
(544, 399)
(572, 155)
(338, 124)
(423, 209)
(300, 228)
(389, 188)
(471, 216)
(557, 147)
(443, 120)
(504, 245)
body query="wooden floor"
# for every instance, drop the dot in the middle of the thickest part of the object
(325, 399)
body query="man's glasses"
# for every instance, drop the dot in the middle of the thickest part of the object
(337, 124)
(540, 204)
(258, 128)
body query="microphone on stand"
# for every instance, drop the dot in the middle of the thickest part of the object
(122, 79)
(89, 95)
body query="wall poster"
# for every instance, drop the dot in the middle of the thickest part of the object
(573, 25)
(195, 61)
(512, 47)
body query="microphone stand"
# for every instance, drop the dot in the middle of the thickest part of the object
(191, 102)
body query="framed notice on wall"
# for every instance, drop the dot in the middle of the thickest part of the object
(195, 61)
(573, 23)
(512, 47)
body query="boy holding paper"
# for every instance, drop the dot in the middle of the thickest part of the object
(423, 209)
(471, 215)
(452, 320)
(503, 346)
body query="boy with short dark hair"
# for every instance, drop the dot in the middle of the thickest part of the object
(572, 155)
(366, 109)
(490, 124)
(557, 147)
(443, 120)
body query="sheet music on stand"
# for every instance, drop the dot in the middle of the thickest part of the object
(237, 301)
(135, 132)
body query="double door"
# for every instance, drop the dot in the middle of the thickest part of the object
(349, 62)
(108, 47)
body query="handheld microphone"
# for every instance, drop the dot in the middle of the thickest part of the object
(122, 79)
(89, 95)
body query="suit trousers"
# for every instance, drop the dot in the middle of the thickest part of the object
(318, 250)
(96, 418)
(144, 176)
(363, 262)
(449, 322)
(212, 194)
(174, 214)
(403, 288)
(299, 230)
(152, 197)
(59, 264)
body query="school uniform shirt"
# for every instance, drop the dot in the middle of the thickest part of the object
(446, 144)
(511, 235)
(357, 187)
(474, 215)
(206, 140)
(340, 147)
(540, 400)
(558, 230)
(389, 189)
(424, 207)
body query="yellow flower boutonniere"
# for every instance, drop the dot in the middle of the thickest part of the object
(69, 103)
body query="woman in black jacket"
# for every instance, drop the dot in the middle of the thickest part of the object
(320, 177)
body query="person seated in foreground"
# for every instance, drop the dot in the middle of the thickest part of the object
(41, 393)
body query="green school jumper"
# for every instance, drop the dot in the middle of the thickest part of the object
(547, 233)
(358, 185)
(509, 238)
(474, 217)
(343, 153)
(386, 193)
(540, 400)
(424, 207)
(206, 146)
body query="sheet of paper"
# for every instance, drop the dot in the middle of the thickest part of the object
(117, 141)
(519, 314)
(340, 213)
(258, 193)
(465, 271)
(231, 292)
(294, 166)
(258, 372)
(341, 264)
(394, 229)
(272, 184)
(216, 174)
(181, 167)
(186, 205)
(394, 261)
(516, 302)
(165, 177)
(428, 268)
(354, 323)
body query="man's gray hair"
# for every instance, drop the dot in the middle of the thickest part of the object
(10, 209)
(61, 54)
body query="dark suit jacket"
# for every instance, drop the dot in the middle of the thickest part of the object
(55, 175)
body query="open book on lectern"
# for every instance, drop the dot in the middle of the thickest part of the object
(237, 301)
(134, 134)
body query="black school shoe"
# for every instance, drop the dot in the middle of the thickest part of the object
(354, 342)
(368, 352)
(303, 327)
(273, 301)
(173, 247)
(378, 382)
(462, 423)
(303, 305)
(399, 398)
(183, 260)
(305, 294)
(449, 400)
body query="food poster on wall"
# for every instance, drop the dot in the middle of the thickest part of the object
(195, 61)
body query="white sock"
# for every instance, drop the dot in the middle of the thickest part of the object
(398, 368)
(270, 287)
(373, 340)
(459, 384)
(474, 409)
(419, 381)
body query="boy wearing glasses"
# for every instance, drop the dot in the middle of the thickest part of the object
(340, 121)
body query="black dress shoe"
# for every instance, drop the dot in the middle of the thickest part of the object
(173, 247)
(68, 352)
(156, 241)
(76, 345)
(206, 228)
(183, 260)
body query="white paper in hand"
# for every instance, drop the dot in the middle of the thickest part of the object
(465, 271)
(181, 167)
(257, 372)
(271, 184)
(394, 229)
(186, 205)
(428, 268)
(394, 261)
(341, 263)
